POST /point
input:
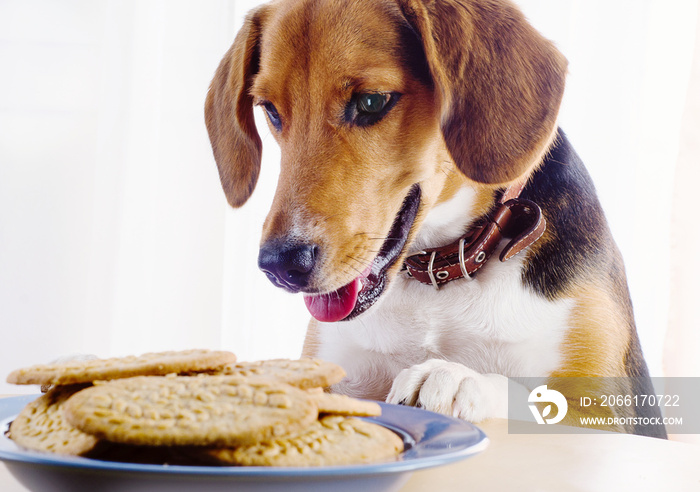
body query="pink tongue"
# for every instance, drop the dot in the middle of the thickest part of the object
(334, 306)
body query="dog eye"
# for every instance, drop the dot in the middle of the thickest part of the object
(367, 108)
(272, 115)
(372, 103)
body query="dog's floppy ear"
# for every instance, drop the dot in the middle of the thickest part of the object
(499, 82)
(229, 113)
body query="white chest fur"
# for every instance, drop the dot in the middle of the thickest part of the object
(493, 324)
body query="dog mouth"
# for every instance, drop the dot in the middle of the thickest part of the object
(361, 293)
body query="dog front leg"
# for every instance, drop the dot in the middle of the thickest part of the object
(452, 389)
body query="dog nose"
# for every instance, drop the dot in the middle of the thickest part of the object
(288, 266)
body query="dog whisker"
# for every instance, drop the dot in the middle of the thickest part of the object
(371, 236)
(357, 270)
(361, 261)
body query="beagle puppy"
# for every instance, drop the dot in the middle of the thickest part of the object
(441, 228)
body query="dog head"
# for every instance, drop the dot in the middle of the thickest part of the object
(379, 108)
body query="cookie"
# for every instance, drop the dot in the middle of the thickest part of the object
(329, 403)
(41, 426)
(190, 410)
(332, 440)
(303, 373)
(66, 358)
(86, 371)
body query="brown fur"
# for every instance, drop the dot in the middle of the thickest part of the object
(330, 168)
(311, 342)
(235, 140)
(588, 350)
(499, 57)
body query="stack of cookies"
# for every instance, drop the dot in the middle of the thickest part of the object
(199, 407)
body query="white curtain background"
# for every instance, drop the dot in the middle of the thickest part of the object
(115, 237)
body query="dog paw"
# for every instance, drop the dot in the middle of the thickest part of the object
(452, 389)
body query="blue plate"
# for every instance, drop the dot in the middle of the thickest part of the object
(430, 440)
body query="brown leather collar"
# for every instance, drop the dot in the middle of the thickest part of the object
(516, 218)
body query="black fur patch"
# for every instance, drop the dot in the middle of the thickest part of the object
(578, 232)
(580, 247)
